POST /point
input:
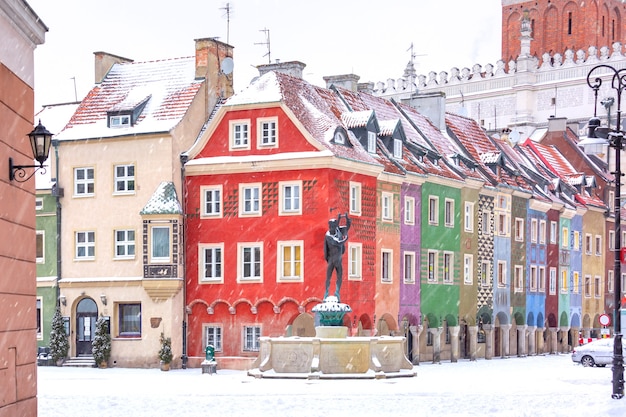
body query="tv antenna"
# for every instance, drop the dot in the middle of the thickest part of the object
(228, 9)
(267, 43)
(75, 93)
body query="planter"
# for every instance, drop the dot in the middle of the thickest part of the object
(165, 366)
(102, 365)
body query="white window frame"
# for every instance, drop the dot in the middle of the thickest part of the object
(588, 244)
(597, 286)
(610, 281)
(565, 238)
(239, 135)
(433, 210)
(290, 202)
(125, 243)
(154, 257)
(253, 199)
(542, 231)
(119, 121)
(87, 243)
(213, 332)
(448, 267)
(598, 242)
(241, 247)
(587, 286)
(485, 268)
(519, 229)
(39, 312)
(293, 264)
(432, 258)
(409, 267)
(576, 282)
(386, 266)
(469, 217)
(267, 132)
(518, 279)
(211, 208)
(542, 279)
(564, 281)
(554, 227)
(397, 148)
(355, 261)
(127, 180)
(85, 182)
(250, 338)
(371, 141)
(355, 198)
(534, 230)
(41, 236)
(468, 269)
(216, 266)
(502, 279)
(449, 212)
(533, 278)
(552, 280)
(611, 240)
(387, 206)
(38, 204)
(486, 223)
(409, 210)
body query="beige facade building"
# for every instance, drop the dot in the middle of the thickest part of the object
(119, 180)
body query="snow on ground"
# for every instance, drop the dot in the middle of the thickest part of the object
(515, 387)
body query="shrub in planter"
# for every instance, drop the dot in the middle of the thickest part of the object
(101, 345)
(59, 345)
(165, 353)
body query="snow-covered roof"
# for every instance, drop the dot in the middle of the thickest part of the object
(163, 201)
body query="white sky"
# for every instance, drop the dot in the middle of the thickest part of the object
(367, 38)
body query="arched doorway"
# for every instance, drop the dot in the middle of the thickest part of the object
(86, 316)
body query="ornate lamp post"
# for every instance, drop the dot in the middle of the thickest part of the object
(616, 141)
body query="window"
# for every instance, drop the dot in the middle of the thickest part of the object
(213, 336)
(564, 282)
(290, 198)
(239, 134)
(503, 224)
(501, 274)
(124, 244)
(39, 246)
(371, 142)
(290, 261)
(449, 213)
(553, 231)
(432, 266)
(448, 265)
(39, 320)
(386, 268)
(587, 290)
(542, 279)
(611, 240)
(129, 320)
(468, 269)
(339, 137)
(250, 199)
(119, 121)
(576, 282)
(251, 336)
(610, 284)
(533, 278)
(212, 201)
(249, 262)
(565, 238)
(211, 263)
(588, 244)
(38, 204)
(576, 242)
(611, 200)
(124, 179)
(83, 182)
(85, 245)
(598, 245)
(409, 267)
(355, 261)
(597, 286)
(409, 210)
(519, 278)
(355, 198)
(519, 229)
(160, 244)
(484, 273)
(387, 206)
(533, 230)
(542, 231)
(268, 132)
(433, 208)
(552, 287)
(486, 226)
(468, 217)
(397, 148)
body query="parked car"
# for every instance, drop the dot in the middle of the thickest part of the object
(596, 353)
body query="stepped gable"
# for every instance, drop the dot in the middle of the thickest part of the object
(165, 89)
(429, 136)
(418, 156)
(484, 152)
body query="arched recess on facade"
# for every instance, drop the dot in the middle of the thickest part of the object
(618, 24)
(531, 319)
(596, 321)
(386, 324)
(451, 321)
(549, 23)
(540, 322)
(236, 304)
(411, 318)
(431, 321)
(563, 321)
(197, 302)
(512, 35)
(587, 322)
(484, 315)
(551, 322)
(501, 319)
(517, 319)
(575, 320)
(311, 302)
(365, 322)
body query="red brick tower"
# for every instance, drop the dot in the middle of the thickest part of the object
(558, 25)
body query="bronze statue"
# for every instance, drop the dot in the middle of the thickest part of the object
(334, 247)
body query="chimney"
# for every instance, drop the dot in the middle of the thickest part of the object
(293, 68)
(347, 81)
(104, 61)
(214, 63)
(431, 105)
(557, 124)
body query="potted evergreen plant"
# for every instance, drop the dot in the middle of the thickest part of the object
(165, 353)
(101, 345)
(59, 345)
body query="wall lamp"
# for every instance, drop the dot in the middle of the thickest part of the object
(103, 298)
(40, 140)
(63, 300)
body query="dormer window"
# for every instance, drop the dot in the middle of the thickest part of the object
(371, 142)
(119, 120)
(397, 148)
(340, 137)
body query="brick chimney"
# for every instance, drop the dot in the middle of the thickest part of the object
(347, 81)
(214, 63)
(293, 68)
(104, 61)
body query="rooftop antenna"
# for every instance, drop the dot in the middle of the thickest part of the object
(75, 93)
(409, 72)
(267, 42)
(228, 9)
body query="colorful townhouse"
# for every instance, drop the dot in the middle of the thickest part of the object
(119, 188)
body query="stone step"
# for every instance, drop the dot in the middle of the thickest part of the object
(80, 362)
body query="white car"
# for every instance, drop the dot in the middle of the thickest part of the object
(596, 353)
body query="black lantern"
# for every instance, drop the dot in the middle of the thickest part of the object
(40, 140)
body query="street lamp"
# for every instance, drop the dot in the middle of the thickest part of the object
(40, 140)
(616, 141)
